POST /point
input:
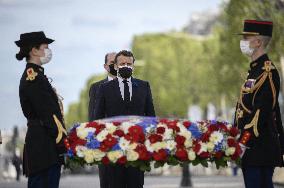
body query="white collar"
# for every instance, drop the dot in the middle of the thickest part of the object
(109, 78)
(121, 79)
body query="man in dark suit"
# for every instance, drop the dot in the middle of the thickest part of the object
(124, 96)
(109, 67)
(258, 114)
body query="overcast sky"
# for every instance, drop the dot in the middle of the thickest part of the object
(84, 30)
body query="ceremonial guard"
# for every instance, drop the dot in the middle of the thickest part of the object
(44, 148)
(258, 114)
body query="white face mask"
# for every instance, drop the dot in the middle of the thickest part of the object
(47, 56)
(245, 48)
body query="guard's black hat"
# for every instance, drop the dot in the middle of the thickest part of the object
(255, 27)
(33, 38)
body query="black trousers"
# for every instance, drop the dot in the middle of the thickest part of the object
(258, 176)
(48, 178)
(119, 176)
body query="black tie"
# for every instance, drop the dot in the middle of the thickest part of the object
(126, 91)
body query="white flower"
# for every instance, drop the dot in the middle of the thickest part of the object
(110, 127)
(168, 134)
(123, 143)
(171, 145)
(132, 155)
(132, 146)
(114, 155)
(188, 143)
(210, 146)
(216, 137)
(98, 154)
(230, 151)
(84, 133)
(149, 146)
(102, 135)
(159, 145)
(80, 151)
(191, 155)
(150, 128)
(125, 126)
(89, 156)
(203, 148)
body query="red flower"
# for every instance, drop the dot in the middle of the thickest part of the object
(161, 130)
(136, 134)
(234, 131)
(196, 147)
(173, 125)
(180, 140)
(187, 124)
(164, 121)
(205, 137)
(235, 156)
(161, 155)
(231, 142)
(181, 154)
(135, 130)
(103, 147)
(105, 160)
(99, 128)
(135, 138)
(224, 127)
(153, 138)
(73, 136)
(144, 155)
(119, 133)
(122, 160)
(92, 124)
(212, 128)
(110, 141)
(204, 155)
(218, 155)
(115, 123)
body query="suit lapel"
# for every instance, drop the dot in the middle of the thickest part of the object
(135, 88)
(116, 89)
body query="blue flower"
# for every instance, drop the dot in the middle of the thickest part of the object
(74, 127)
(194, 131)
(219, 146)
(147, 122)
(90, 136)
(70, 153)
(116, 147)
(93, 144)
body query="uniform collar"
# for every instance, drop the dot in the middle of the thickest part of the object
(36, 67)
(259, 61)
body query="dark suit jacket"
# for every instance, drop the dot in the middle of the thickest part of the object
(110, 103)
(93, 96)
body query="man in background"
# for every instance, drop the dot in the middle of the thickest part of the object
(111, 74)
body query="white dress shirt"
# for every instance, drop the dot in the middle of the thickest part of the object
(121, 86)
(109, 78)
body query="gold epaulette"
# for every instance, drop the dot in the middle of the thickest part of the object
(31, 74)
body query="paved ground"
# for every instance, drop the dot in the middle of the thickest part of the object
(92, 181)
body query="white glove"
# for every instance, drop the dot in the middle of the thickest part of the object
(243, 148)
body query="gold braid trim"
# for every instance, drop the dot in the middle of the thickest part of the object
(253, 124)
(272, 89)
(261, 79)
(60, 129)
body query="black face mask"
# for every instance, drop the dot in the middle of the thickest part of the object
(112, 71)
(125, 72)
